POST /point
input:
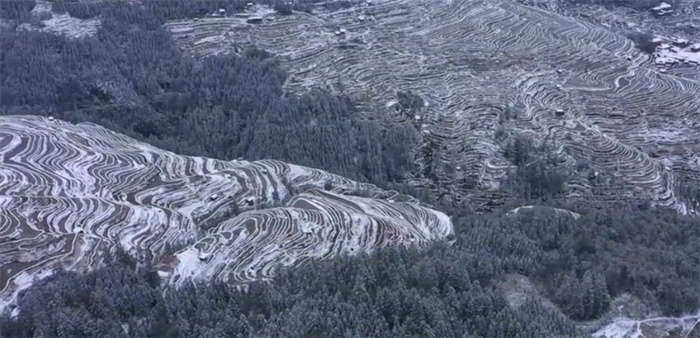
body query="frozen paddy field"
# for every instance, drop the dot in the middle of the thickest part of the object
(72, 193)
(485, 68)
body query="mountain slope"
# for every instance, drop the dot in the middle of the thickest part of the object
(69, 193)
(474, 75)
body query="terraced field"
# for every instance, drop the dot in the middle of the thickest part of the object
(315, 224)
(61, 24)
(69, 194)
(487, 69)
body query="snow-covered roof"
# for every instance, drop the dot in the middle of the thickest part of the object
(662, 6)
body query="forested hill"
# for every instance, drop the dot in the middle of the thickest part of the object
(130, 77)
(73, 193)
(535, 264)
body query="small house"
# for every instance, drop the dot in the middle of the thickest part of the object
(681, 42)
(662, 9)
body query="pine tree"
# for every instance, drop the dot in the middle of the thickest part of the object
(588, 296)
(602, 296)
(568, 297)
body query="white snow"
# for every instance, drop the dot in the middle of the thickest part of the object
(666, 54)
(662, 6)
(63, 24)
(631, 328)
(22, 282)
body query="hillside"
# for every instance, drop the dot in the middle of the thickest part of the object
(71, 193)
(228, 168)
(473, 76)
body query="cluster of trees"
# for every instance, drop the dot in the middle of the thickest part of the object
(389, 293)
(442, 291)
(585, 298)
(179, 9)
(690, 194)
(16, 10)
(176, 9)
(132, 78)
(644, 42)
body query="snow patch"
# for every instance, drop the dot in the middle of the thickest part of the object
(62, 24)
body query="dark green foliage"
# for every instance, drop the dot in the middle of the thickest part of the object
(536, 176)
(132, 78)
(440, 291)
(284, 7)
(333, 6)
(15, 9)
(540, 180)
(409, 100)
(583, 299)
(690, 193)
(519, 151)
(58, 7)
(82, 9)
(635, 251)
(92, 305)
(390, 293)
(644, 42)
